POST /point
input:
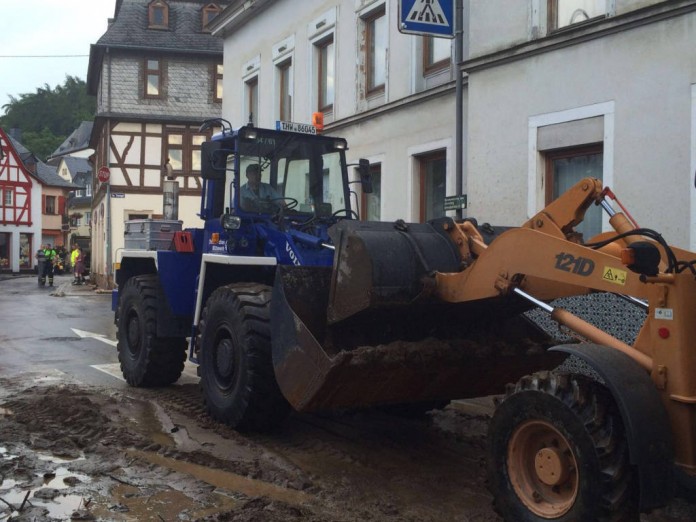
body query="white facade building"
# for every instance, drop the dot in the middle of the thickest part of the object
(610, 95)
(390, 95)
(553, 90)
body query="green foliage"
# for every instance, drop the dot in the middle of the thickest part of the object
(48, 116)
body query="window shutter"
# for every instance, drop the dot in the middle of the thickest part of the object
(43, 207)
(61, 205)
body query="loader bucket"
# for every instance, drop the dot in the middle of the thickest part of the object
(368, 331)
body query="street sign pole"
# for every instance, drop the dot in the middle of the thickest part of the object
(442, 19)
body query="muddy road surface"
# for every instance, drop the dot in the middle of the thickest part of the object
(77, 444)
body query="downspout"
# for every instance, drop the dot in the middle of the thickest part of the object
(459, 94)
(109, 264)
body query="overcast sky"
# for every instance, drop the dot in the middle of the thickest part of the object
(51, 29)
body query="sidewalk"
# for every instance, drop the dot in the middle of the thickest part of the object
(66, 288)
(14, 275)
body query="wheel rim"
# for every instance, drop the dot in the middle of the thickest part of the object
(543, 469)
(133, 333)
(225, 357)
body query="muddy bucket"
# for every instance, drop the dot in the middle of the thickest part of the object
(371, 339)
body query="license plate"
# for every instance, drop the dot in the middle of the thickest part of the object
(302, 128)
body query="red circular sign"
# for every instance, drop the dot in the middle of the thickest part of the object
(103, 174)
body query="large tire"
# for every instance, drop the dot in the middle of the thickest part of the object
(237, 375)
(146, 360)
(557, 451)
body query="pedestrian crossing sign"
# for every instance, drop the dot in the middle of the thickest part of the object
(427, 17)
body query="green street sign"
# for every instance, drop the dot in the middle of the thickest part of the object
(455, 202)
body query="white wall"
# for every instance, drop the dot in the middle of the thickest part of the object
(395, 127)
(646, 72)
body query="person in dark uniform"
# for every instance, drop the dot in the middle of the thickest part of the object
(40, 264)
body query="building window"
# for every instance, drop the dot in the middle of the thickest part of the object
(88, 190)
(376, 49)
(184, 154)
(158, 15)
(88, 218)
(252, 99)
(371, 203)
(50, 205)
(285, 90)
(433, 174)
(25, 251)
(153, 78)
(217, 82)
(209, 13)
(5, 242)
(564, 168)
(8, 197)
(437, 53)
(563, 13)
(325, 74)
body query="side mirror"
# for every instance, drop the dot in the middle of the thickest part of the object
(213, 160)
(365, 176)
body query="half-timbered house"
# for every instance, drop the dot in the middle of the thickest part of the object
(20, 210)
(32, 205)
(157, 75)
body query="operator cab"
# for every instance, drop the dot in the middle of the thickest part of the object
(299, 175)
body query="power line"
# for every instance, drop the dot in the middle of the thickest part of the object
(44, 55)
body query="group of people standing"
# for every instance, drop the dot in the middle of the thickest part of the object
(49, 259)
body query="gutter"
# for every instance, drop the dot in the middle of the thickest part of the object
(233, 16)
(576, 35)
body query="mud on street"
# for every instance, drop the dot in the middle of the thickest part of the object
(101, 454)
(74, 450)
(71, 451)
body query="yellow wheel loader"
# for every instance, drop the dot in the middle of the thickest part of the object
(595, 428)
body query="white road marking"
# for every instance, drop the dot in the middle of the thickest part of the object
(189, 375)
(97, 336)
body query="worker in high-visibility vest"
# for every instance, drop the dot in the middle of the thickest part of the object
(73, 263)
(49, 255)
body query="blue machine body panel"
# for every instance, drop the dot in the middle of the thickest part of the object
(310, 175)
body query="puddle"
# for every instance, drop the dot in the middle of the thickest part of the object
(8, 484)
(61, 507)
(151, 422)
(226, 480)
(133, 503)
(5, 455)
(45, 457)
(63, 478)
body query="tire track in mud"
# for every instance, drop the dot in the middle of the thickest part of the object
(395, 468)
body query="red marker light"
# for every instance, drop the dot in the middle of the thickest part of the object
(663, 332)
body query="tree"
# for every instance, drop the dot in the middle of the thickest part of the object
(48, 116)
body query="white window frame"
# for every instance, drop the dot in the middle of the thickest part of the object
(363, 10)
(413, 179)
(539, 17)
(281, 53)
(692, 170)
(250, 72)
(318, 30)
(535, 159)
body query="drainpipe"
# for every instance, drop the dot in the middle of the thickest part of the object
(109, 263)
(459, 93)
